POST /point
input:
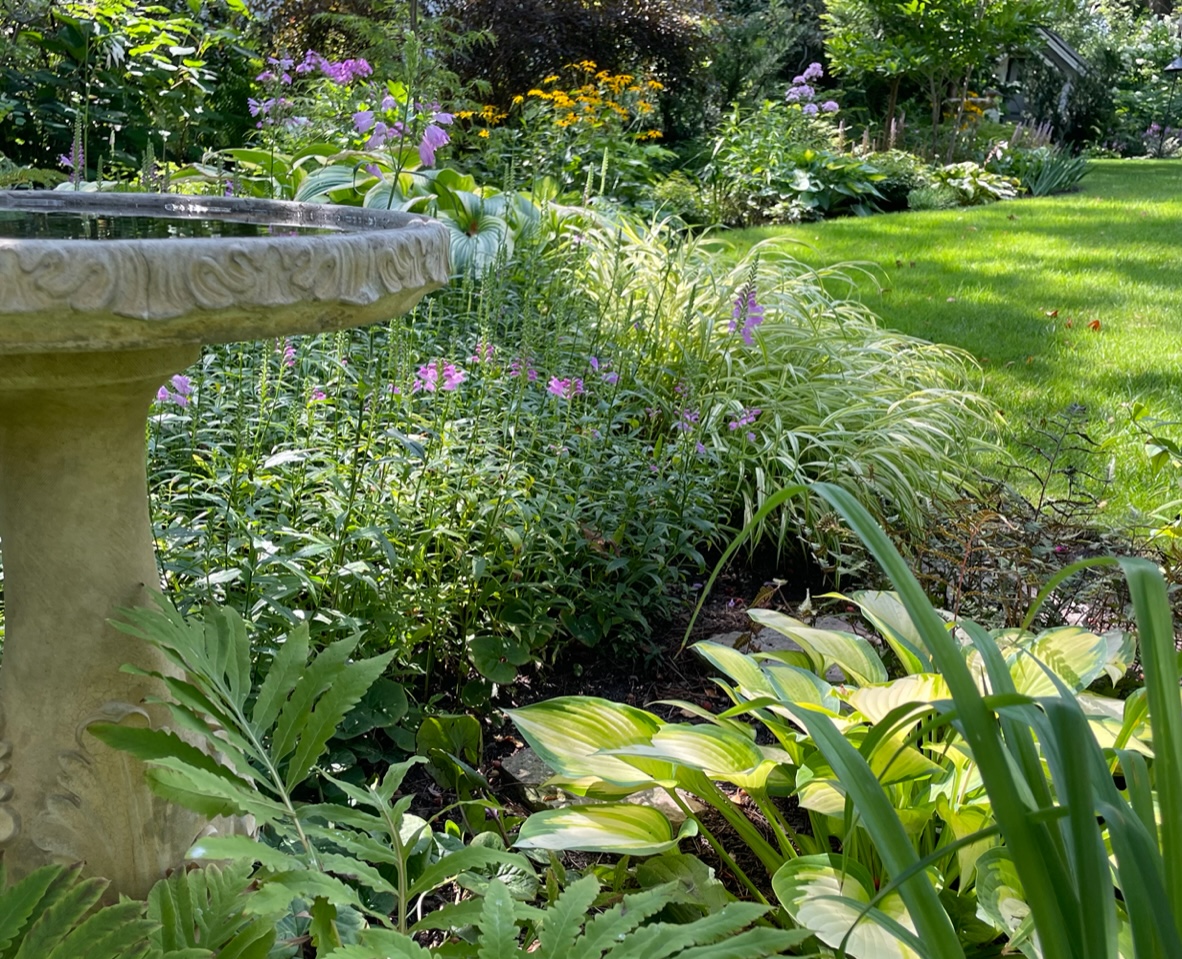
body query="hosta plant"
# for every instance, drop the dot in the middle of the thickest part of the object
(926, 808)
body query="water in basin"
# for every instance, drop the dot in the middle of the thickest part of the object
(26, 225)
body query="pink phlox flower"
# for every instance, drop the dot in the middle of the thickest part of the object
(453, 376)
(521, 365)
(746, 418)
(560, 388)
(318, 395)
(289, 351)
(427, 378)
(182, 389)
(686, 420)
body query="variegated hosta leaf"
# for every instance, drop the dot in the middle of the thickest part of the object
(875, 702)
(825, 647)
(827, 901)
(1106, 720)
(712, 750)
(1073, 654)
(571, 734)
(1122, 650)
(791, 684)
(965, 820)
(622, 828)
(888, 615)
(742, 669)
(1001, 901)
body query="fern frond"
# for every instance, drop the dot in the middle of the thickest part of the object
(498, 924)
(566, 917)
(609, 927)
(20, 902)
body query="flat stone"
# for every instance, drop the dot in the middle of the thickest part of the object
(526, 767)
(661, 801)
(735, 638)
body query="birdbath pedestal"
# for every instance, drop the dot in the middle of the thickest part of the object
(102, 298)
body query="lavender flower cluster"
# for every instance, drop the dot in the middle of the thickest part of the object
(803, 92)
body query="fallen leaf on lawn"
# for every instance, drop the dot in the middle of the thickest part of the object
(1068, 324)
(1052, 312)
(1029, 360)
(1094, 326)
(972, 228)
(952, 299)
(898, 262)
(1012, 216)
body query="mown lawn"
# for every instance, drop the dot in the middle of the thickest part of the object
(1074, 299)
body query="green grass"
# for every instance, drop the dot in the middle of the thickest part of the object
(1021, 284)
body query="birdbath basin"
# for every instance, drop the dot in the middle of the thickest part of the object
(102, 298)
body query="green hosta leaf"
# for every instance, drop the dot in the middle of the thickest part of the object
(741, 668)
(1001, 900)
(713, 750)
(571, 734)
(622, 828)
(875, 702)
(851, 653)
(332, 179)
(965, 820)
(886, 612)
(795, 685)
(1122, 651)
(827, 901)
(1075, 655)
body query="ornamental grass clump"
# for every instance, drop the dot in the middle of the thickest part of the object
(790, 382)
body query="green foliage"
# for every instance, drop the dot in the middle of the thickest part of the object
(974, 184)
(55, 914)
(775, 163)
(933, 42)
(566, 929)
(1041, 170)
(130, 71)
(368, 856)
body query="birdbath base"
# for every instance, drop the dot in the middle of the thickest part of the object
(77, 545)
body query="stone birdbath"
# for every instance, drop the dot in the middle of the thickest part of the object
(102, 298)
